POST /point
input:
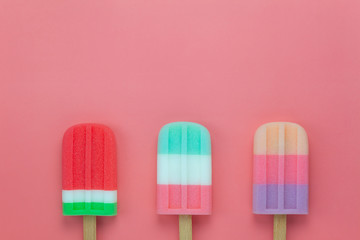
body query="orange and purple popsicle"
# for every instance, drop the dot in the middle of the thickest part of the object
(280, 169)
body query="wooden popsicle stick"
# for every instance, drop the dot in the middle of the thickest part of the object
(279, 227)
(185, 227)
(89, 227)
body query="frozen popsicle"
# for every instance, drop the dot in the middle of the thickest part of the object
(184, 172)
(89, 173)
(280, 172)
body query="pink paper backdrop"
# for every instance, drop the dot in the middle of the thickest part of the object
(138, 64)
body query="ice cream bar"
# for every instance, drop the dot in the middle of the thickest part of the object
(280, 169)
(184, 169)
(89, 171)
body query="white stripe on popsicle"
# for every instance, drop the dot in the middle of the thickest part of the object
(171, 171)
(70, 196)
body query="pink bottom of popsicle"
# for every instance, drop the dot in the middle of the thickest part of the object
(184, 199)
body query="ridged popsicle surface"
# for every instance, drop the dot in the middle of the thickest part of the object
(184, 169)
(89, 171)
(280, 169)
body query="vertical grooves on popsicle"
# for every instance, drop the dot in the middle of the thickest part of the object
(108, 173)
(281, 157)
(97, 162)
(103, 158)
(266, 170)
(297, 169)
(87, 167)
(73, 167)
(103, 164)
(272, 150)
(266, 167)
(167, 156)
(291, 167)
(85, 158)
(201, 177)
(91, 137)
(285, 145)
(183, 169)
(72, 159)
(79, 144)
(168, 170)
(286, 162)
(175, 144)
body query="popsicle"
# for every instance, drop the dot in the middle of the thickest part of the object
(89, 185)
(184, 173)
(280, 173)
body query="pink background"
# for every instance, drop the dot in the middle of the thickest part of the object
(138, 64)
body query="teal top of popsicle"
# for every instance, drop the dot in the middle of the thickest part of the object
(184, 138)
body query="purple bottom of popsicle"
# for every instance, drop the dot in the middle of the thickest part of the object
(280, 199)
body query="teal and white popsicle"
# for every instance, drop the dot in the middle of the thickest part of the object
(184, 169)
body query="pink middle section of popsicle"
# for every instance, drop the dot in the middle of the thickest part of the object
(184, 199)
(89, 158)
(267, 167)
